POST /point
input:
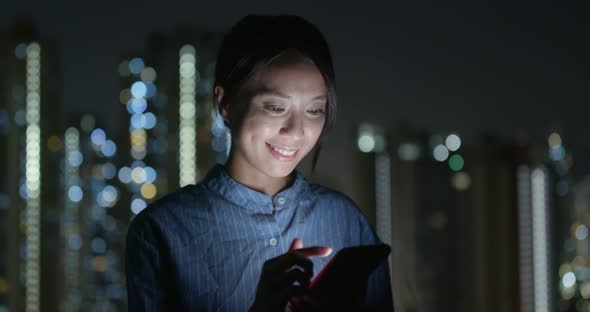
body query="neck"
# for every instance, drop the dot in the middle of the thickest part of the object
(248, 176)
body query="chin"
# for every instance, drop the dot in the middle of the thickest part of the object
(279, 171)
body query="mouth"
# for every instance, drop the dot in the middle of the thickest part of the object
(282, 153)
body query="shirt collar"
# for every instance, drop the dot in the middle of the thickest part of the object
(220, 182)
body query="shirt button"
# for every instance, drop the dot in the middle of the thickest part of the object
(282, 200)
(273, 241)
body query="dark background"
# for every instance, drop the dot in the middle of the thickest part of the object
(503, 76)
(514, 70)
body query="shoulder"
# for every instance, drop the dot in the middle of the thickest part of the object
(341, 209)
(333, 199)
(172, 210)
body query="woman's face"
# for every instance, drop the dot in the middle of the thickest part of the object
(285, 117)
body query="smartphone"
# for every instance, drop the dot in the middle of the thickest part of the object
(344, 278)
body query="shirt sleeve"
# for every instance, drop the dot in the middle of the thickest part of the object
(379, 296)
(146, 283)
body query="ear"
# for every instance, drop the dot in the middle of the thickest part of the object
(223, 107)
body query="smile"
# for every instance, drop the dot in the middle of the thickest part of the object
(282, 153)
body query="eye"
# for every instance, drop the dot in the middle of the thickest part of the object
(315, 111)
(275, 109)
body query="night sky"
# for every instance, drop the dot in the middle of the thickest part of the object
(507, 70)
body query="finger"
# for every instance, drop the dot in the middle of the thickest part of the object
(293, 291)
(293, 276)
(314, 251)
(296, 244)
(287, 261)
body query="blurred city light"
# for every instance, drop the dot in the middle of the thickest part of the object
(87, 122)
(137, 205)
(75, 193)
(456, 162)
(541, 237)
(366, 143)
(408, 151)
(453, 142)
(137, 105)
(461, 181)
(554, 140)
(136, 65)
(568, 279)
(21, 51)
(138, 89)
(148, 191)
(33, 178)
(581, 232)
(109, 171)
(98, 136)
(108, 148)
(125, 175)
(440, 153)
(187, 110)
(370, 138)
(148, 74)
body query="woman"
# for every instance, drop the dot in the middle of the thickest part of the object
(234, 241)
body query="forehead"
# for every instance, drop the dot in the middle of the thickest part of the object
(289, 75)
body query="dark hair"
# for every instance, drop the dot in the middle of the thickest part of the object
(254, 42)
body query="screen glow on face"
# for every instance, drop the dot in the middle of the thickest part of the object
(284, 120)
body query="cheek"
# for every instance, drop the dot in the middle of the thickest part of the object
(257, 128)
(313, 131)
(317, 127)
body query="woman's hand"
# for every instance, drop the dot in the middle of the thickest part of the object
(276, 284)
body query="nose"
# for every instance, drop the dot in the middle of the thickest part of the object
(293, 126)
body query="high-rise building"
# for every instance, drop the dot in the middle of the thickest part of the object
(94, 219)
(167, 91)
(462, 239)
(30, 127)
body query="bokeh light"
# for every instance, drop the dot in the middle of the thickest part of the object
(456, 162)
(98, 245)
(366, 143)
(554, 140)
(54, 143)
(98, 136)
(138, 89)
(137, 205)
(138, 175)
(138, 121)
(109, 148)
(150, 174)
(440, 153)
(148, 74)
(461, 181)
(109, 171)
(125, 174)
(136, 65)
(75, 193)
(150, 120)
(75, 158)
(20, 51)
(148, 191)
(137, 105)
(568, 279)
(125, 96)
(408, 151)
(581, 232)
(87, 122)
(453, 142)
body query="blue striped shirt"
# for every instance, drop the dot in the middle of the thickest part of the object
(202, 247)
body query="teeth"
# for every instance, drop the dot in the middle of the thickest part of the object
(283, 152)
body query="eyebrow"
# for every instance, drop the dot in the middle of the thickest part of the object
(273, 92)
